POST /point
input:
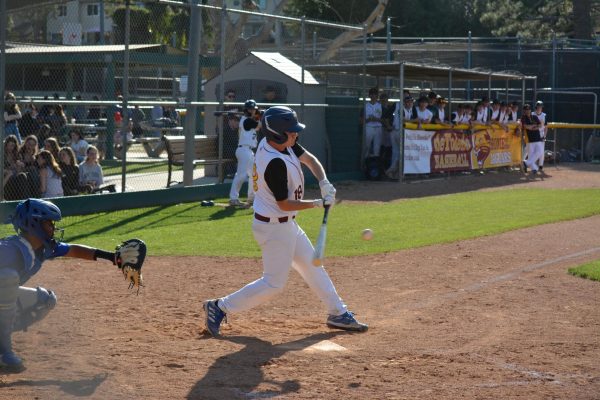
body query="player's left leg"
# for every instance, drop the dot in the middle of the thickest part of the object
(320, 283)
(32, 306)
(238, 179)
(9, 284)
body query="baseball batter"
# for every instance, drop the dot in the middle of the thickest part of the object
(278, 184)
(245, 153)
(21, 257)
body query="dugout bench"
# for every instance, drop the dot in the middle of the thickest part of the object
(206, 152)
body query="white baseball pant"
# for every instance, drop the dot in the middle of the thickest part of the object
(536, 150)
(245, 158)
(373, 136)
(283, 245)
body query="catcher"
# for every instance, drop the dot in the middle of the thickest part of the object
(22, 256)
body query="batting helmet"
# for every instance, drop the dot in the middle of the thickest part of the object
(250, 104)
(277, 121)
(29, 216)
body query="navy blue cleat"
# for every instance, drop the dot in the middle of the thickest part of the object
(347, 322)
(11, 363)
(214, 317)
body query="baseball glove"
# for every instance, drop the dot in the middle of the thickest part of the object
(129, 257)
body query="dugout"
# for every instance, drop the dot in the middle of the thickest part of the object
(397, 74)
(256, 74)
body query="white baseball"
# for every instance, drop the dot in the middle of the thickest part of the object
(367, 234)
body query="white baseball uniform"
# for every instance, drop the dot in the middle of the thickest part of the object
(245, 157)
(373, 129)
(542, 117)
(277, 176)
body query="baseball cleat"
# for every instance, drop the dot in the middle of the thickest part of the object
(524, 167)
(214, 317)
(347, 322)
(235, 203)
(11, 363)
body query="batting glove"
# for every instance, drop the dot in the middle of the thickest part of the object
(327, 189)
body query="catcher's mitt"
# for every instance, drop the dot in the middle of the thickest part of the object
(129, 257)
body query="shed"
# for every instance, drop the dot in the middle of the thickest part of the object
(258, 71)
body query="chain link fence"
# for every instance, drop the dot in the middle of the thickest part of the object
(113, 78)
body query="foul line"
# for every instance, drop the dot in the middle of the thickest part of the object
(504, 277)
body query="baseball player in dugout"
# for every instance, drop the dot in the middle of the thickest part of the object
(21, 257)
(278, 184)
(249, 125)
(535, 150)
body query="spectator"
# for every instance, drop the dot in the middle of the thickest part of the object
(504, 113)
(90, 171)
(43, 133)
(28, 151)
(15, 180)
(50, 175)
(137, 116)
(171, 113)
(70, 170)
(118, 139)
(495, 112)
(78, 145)
(95, 111)
(424, 115)
(12, 115)
(270, 95)
(409, 110)
(29, 124)
(468, 115)
(80, 111)
(44, 112)
(51, 144)
(373, 125)
(157, 111)
(57, 119)
(432, 101)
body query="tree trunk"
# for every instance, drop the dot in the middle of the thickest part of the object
(373, 24)
(582, 19)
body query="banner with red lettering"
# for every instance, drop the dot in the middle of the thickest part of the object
(451, 151)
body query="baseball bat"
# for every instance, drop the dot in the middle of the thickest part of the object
(232, 112)
(320, 247)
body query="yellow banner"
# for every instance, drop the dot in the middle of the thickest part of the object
(494, 147)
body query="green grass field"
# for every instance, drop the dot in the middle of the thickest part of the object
(189, 229)
(588, 271)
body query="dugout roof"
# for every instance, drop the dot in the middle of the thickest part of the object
(417, 71)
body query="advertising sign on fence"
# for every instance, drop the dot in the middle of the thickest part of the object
(455, 150)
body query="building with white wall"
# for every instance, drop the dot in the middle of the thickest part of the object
(77, 23)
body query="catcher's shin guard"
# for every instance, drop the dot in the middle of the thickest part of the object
(9, 284)
(33, 305)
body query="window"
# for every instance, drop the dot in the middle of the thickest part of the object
(62, 10)
(92, 9)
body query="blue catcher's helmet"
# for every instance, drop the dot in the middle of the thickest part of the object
(250, 104)
(29, 216)
(278, 120)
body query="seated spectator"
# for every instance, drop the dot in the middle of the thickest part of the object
(118, 140)
(80, 111)
(57, 120)
(29, 124)
(137, 116)
(95, 111)
(43, 133)
(15, 179)
(78, 144)
(70, 169)
(51, 144)
(90, 172)
(50, 175)
(28, 151)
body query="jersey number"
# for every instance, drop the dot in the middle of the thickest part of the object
(298, 193)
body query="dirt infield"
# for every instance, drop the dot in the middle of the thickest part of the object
(493, 317)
